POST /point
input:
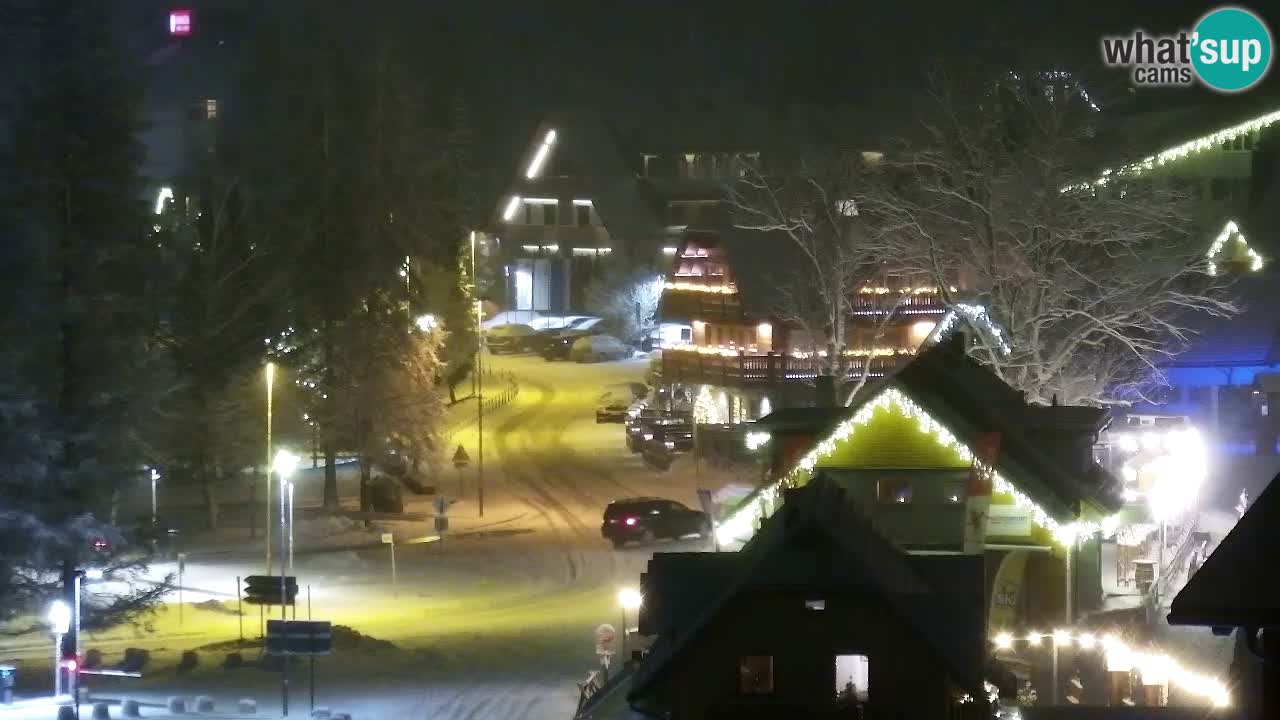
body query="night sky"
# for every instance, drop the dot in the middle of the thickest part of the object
(514, 61)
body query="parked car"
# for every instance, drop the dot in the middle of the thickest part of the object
(611, 414)
(560, 345)
(645, 519)
(594, 348)
(511, 338)
(512, 317)
(549, 338)
(640, 428)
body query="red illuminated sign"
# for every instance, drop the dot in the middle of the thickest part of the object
(179, 23)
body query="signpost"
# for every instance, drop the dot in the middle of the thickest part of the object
(460, 461)
(390, 541)
(442, 515)
(307, 638)
(708, 507)
(606, 644)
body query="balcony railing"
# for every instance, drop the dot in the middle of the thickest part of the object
(763, 369)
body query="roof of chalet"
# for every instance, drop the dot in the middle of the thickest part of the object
(940, 598)
(763, 266)
(1147, 125)
(1238, 586)
(968, 399)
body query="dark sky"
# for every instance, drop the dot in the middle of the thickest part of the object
(515, 60)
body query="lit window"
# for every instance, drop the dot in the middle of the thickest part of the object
(210, 109)
(179, 23)
(894, 491)
(755, 675)
(853, 676)
(815, 604)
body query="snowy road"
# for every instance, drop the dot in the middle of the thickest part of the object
(494, 623)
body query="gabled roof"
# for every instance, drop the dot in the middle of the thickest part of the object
(593, 150)
(1149, 139)
(939, 598)
(967, 398)
(762, 265)
(1238, 585)
(955, 398)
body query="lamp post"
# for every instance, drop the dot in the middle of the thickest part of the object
(155, 476)
(479, 383)
(59, 623)
(270, 372)
(283, 465)
(628, 599)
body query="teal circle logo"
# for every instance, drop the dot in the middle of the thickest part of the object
(1231, 49)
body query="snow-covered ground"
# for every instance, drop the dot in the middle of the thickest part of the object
(493, 621)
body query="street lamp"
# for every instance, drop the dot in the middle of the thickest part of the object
(283, 466)
(628, 599)
(479, 378)
(270, 372)
(155, 476)
(426, 323)
(59, 622)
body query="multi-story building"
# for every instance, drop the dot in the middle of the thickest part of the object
(589, 187)
(734, 287)
(1227, 154)
(190, 56)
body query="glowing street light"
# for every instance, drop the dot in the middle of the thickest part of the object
(270, 373)
(629, 598)
(283, 466)
(59, 622)
(1003, 641)
(426, 323)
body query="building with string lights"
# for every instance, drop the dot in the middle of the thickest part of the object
(1226, 154)
(591, 185)
(818, 616)
(745, 357)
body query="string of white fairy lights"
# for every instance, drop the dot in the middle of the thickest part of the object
(741, 524)
(1156, 668)
(1178, 152)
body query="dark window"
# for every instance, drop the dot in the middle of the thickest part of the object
(584, 214)
(896, 491)
(550, 214)
(755, 675)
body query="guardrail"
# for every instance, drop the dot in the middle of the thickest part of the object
(507, 390)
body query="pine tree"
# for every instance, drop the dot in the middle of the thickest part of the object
(75, 261)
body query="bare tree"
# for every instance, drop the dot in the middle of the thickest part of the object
(813, 205)
(626, 296)
(1091, 286)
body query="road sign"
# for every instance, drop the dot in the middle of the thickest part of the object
(265, 590)
(299, 637)
(388, 538)
(460, 458)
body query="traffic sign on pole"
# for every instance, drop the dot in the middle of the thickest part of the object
(299, 637)
(460, 458)
(265, 590)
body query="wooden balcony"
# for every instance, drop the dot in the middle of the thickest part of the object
(759, 370)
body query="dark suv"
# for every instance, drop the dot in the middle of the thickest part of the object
(646, 519)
